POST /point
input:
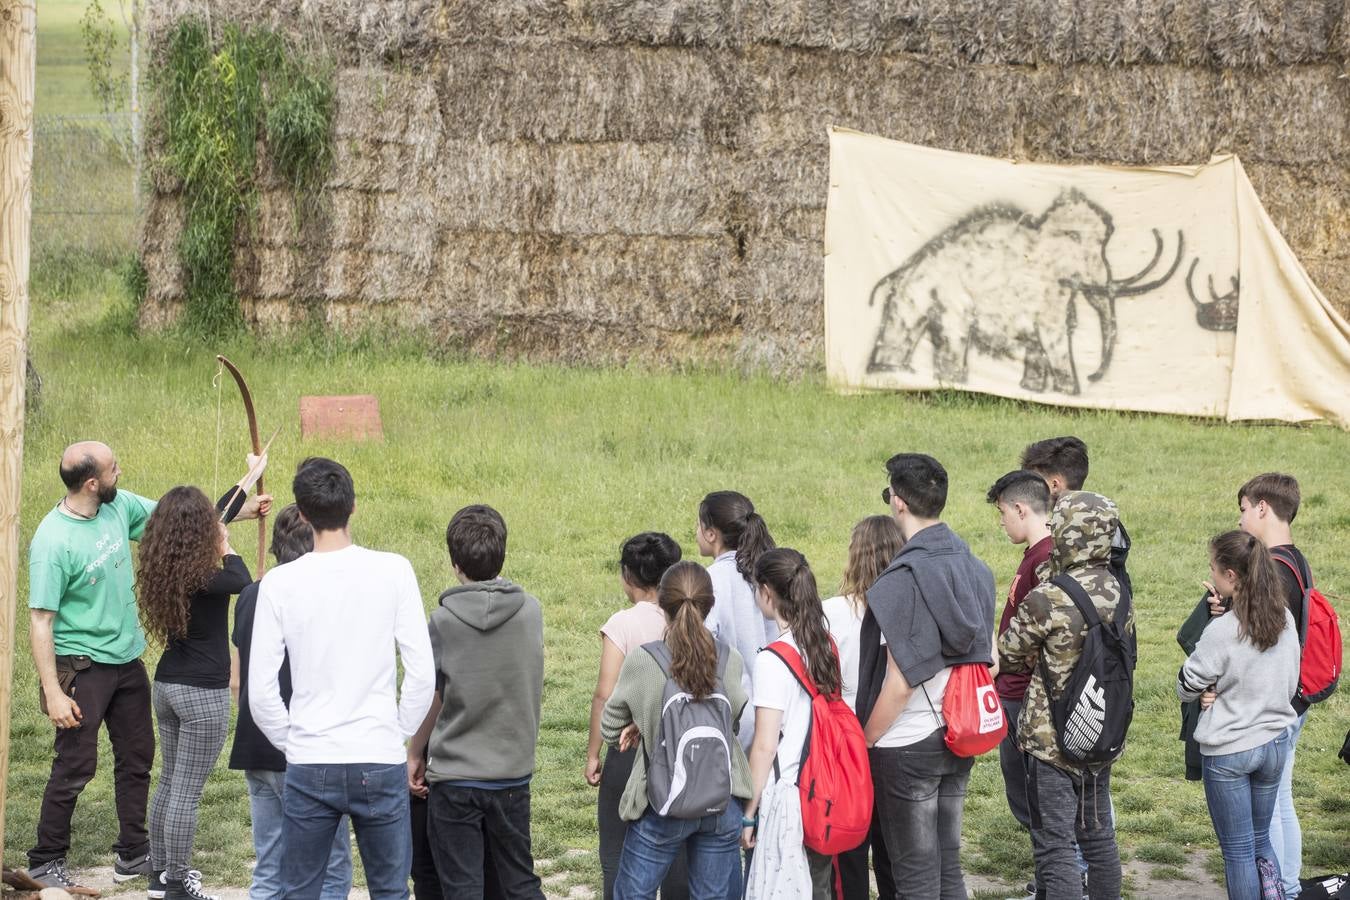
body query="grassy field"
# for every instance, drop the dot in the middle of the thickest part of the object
(577, 460)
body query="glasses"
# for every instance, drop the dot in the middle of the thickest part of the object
(886, 496)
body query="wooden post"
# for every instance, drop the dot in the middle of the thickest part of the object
(18, 57)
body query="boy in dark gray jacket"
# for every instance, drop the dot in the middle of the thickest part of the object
(487, 636)
(930, 610)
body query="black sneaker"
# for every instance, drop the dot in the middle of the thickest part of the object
(125, 869)
(157, 886)
(53, 874)
(190, 888)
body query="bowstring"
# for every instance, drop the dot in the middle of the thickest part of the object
(215, 477)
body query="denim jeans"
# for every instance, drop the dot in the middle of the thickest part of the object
(712, 844)
(464, 823)
(1068, 807)
(920, 794)
(1240, 789)
(375, 796)
(265, 789)
(1285, 834)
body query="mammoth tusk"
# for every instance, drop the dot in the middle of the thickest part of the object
(1157, 255)
(1130, 287)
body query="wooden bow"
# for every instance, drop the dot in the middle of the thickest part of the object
(257, 450)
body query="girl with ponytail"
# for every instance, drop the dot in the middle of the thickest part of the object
(643, 559)
(653, 841)
(1245, 671)
(786, 593)
(730, 531)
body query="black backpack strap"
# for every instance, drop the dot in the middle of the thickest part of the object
(661, 653)
(1086, 608)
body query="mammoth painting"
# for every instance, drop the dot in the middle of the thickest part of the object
(1006, 283)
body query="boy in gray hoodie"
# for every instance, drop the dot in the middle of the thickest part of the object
(487, 636)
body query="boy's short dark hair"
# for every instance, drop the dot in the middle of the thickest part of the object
(1022, 486)
(292, 536)
(324, 493)
(920, 481)
(476, 539)
(1279, 491)
(1066, 457)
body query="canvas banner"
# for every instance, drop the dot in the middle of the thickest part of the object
(1163, 289)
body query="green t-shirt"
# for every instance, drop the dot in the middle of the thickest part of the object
(81, 569)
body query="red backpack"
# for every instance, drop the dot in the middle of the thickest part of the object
(1320, 667)
(971, 708)
(835, 778)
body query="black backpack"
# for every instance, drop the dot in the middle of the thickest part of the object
(1092, 714)
(1120, 553)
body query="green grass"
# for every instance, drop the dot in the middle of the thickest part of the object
(579, 459)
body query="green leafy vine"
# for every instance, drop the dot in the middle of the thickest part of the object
(214, 100)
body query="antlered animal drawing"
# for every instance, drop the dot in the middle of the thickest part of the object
(1004, 282)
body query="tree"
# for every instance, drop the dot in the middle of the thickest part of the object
(102, 47)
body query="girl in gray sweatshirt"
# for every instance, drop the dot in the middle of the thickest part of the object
(1248, 662)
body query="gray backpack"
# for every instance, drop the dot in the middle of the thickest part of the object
(689, 762)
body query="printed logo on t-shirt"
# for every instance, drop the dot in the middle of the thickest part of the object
(108, 545)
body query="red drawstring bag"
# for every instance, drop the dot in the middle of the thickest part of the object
(971, 708)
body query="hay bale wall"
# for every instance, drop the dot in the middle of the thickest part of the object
(596, 180)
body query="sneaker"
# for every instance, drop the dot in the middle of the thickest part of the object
(190, 888)
(125, 869)
(157, 886)
(53, 874)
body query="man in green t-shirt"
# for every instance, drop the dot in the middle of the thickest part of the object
(87, 642)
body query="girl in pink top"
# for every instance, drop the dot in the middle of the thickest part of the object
(642, 562)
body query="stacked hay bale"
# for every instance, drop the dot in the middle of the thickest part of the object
(599, 180)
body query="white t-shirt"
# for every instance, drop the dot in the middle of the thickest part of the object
(777, 688)
(921, 715)
(341, 615)
(846, 628)
(736, 620)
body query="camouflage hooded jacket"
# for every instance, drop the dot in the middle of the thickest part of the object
(1048, 624)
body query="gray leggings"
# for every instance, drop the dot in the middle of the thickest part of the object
(193, 723)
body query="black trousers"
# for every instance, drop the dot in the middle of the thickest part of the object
(426, 883)
(853, 867)
(613, 779)
(471, 830)
(118, 696)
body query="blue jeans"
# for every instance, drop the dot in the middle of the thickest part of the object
(1240, 789)
(1285, 834)
(375, 796)
(712, 844)
(265, 789)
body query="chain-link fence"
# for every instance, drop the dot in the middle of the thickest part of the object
(84, 197)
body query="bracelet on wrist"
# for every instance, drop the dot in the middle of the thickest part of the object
(750, 823)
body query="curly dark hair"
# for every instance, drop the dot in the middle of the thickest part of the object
(180, 552)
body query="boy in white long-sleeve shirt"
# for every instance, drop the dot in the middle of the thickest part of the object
(339, 612)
